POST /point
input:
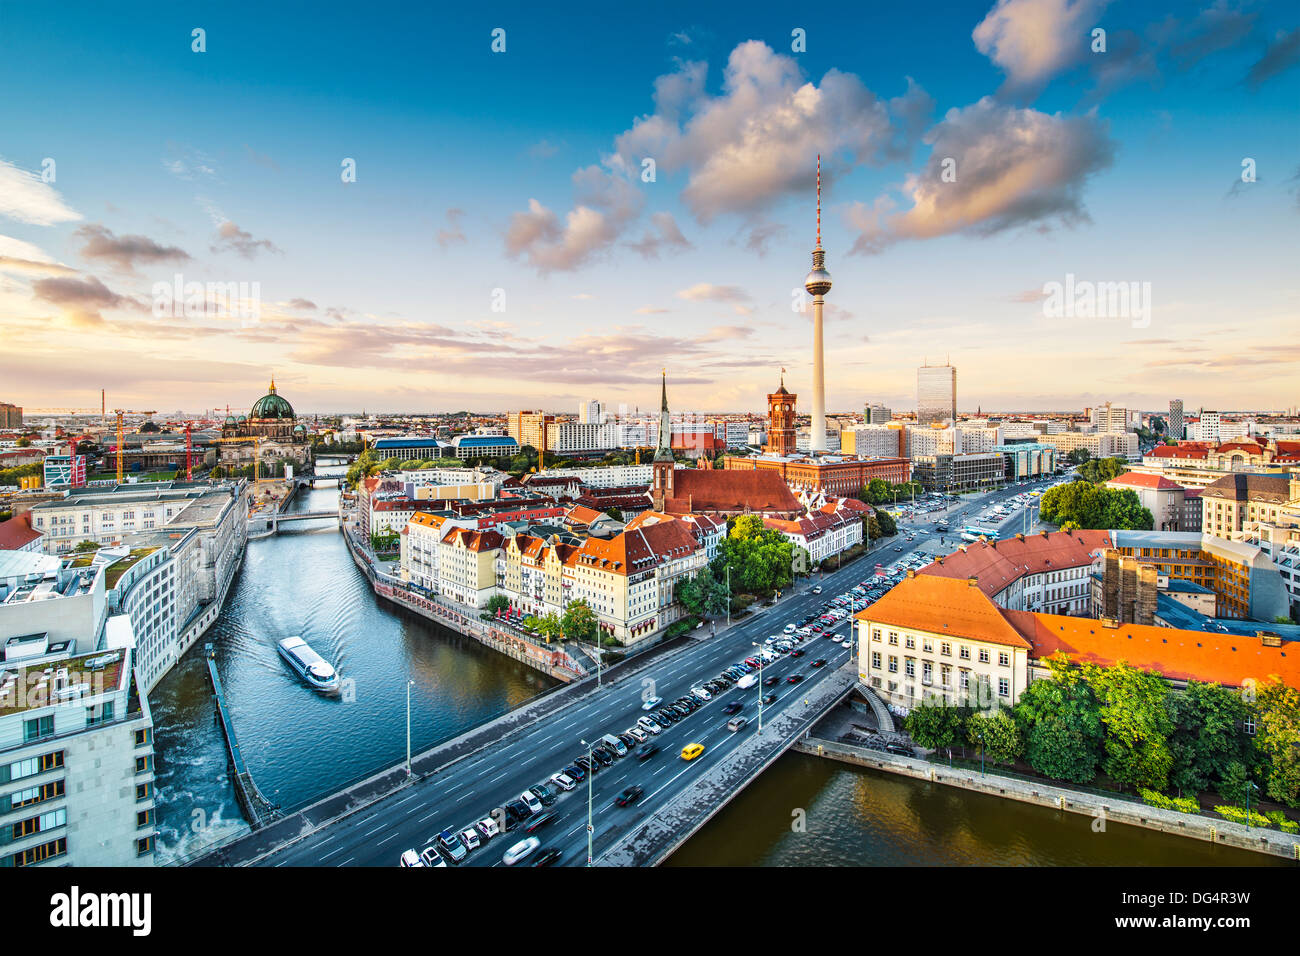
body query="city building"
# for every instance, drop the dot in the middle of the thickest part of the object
(270, 431)
(1234, 500)
(485, 446)
(873, 441)
(839, 475)
(1199, 464)
(467, 565)
(780, 421)
(408, 448)
(1175, 428)
(1096, 444)
(529, 429)
(1048, 571)
(65, 471)
(933, 638)
(959, 472)
(936, 395)
(76, 754)
(1108, 418)
(17, 534)
(591, 412)
(1165, 499)
(1023, 460)
(11, 416)
(876, 414)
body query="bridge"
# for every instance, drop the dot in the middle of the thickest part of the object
(271, 521)
(462, 780)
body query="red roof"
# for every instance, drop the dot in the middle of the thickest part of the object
(17, 533)
(1185, 452)
(731, 491)
(1227, 659)
(1001, 563)
(1142, 480)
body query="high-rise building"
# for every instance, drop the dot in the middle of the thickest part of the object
(591, 412)
(11, 416)
(1174, 429)
(1110, 418)
(781, 438)
(936, 395)
(529, 428)
(877, 415)
(818, 283)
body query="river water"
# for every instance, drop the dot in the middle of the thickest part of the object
(300, 745)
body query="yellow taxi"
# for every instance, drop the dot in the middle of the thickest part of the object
(691, 751)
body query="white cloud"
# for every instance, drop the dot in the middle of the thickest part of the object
(1033, 40)
(26, 198)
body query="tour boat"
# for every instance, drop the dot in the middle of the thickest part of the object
(311, 667)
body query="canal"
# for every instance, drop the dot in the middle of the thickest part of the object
(300, 745)
(853, 816)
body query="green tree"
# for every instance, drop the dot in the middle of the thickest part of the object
(876, 492)
(1134, 713)
(615, 513)
(1060, 723)
(1078, 456)
(888, 526)
(548, 626)
(497, 602)
(997, 733)
(1277, 737)
(936, 726)
(84, 546)
(1207, 737)
(761, 559)
(1232, 784)
(580, 622)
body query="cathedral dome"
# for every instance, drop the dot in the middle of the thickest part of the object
(271, 406)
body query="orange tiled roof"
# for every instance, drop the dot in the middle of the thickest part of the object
(730, 491)
(1227, 659)
(1139, 479)
(943, 606)
(17, 532)
(1002, 563)
(1186, 452)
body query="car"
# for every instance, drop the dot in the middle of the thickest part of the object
(521, 851)
(794, 678)
(637, 734)
(667, 716)
(651, 703)
(790, 628)
(629, 796)
(737, 723)
(770, 699)
(604, 756)
(681, 709)
(692, 750)
(451, 847)
(548, 857)
(431, 857)
(771, 681)
(539, 821)
(578, 774)
(846, 644)
(900, 750)
(531, 801)
(411, 858)
(899, 550)
(629, 741)
(520, 810)
(646, 751)
(649, 724)
(817, 589)
(469, 838)
(563, 781)
(734, 707)
(487, 828)
(544, 793)
(702, 693)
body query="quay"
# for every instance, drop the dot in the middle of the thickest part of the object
(257, 810)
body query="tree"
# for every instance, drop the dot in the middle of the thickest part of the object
(997, 733)
(1137, 724)
(1277, 734)
(876, 492)
(1060, 724)
(85, 546)
(497, 602)
(703, 595)
(1207, 738)
(1078, 456)
(888, 526)
(615, 513)
(1085, 505)
(23, 442)
(760, 558)
(936, 726)
(580, 622)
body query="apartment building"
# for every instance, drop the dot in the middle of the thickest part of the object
(76, 756)
(1096, 444)
(936, 638)
(467, 565)
(1234, 500)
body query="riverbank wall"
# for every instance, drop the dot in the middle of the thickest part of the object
(1114, 808)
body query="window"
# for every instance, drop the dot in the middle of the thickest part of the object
(38, 727)
(911, 643)
(928, 646)
(38, 853)
(984, 655)
(945, 649)
(893, 638)
(893, 664)
(1004, 659)
(963, 652)
(1004, 687)
(144, 846)
(875, 660)
(99, 714)
(31, 766)
(927, 672)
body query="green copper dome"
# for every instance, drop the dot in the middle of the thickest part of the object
(271, 405)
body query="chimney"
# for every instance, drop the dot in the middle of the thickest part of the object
(973, 582)
(1043, 532)
(1020, 537)
(911, 573)
(1269, 638)
(1109, 622)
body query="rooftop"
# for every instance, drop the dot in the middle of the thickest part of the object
(943, 606)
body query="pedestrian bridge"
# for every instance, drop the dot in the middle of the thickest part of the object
(272, 521)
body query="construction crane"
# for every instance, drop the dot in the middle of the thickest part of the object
(120, 440)
(189, 449)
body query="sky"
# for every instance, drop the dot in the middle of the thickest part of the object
(426, 223)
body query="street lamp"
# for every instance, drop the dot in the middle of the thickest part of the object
(1249, 787)
(760, 687)
(590, 831)
(409, 685)
(728, 594)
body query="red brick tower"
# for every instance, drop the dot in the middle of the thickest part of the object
(780, 421)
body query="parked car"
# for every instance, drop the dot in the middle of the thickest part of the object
(543, 793)
(470, 839)
(576, 773)
(647, 723)
(520, 851)
(900, 750)
(487, 828)
(629, 796)
(430, 856)
(411, 858)
(531, 801)
(451, 847)
(563, 781)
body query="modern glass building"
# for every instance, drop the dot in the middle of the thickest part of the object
(936, 394)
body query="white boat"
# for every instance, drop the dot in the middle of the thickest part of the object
(310, 666)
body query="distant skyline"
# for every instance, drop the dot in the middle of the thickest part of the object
(500, 248)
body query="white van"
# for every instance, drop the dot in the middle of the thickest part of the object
(701, 693)
(614, 744)
(749, 680)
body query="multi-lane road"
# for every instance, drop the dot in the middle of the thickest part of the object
(469, 790)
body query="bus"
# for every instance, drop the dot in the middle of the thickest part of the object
(974, 534)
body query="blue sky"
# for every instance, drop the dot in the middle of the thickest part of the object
(514, 180)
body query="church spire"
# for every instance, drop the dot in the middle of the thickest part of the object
(664, 451)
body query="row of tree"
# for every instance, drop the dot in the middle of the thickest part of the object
(577, 623)
(1130, 725)
(1081, 504)
(1099, 470)
(881, 492)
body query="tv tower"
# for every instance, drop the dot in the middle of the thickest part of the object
(818, 283)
